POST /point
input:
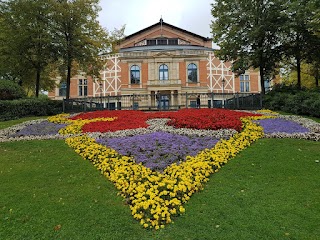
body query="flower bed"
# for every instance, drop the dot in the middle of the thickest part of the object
(155, 197)
(279, 125)
(39, 129)
(211, 119)
(157, 150)
(190, 118)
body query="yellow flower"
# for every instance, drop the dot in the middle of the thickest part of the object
(153, 196)
(181, 209)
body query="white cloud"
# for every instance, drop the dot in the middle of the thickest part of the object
(191, 15)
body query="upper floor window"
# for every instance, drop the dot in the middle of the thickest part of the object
(83, 87)
(162, 41)
(192, 73)
(173, 41)
(244, 83)
(151, 42)
(163, 72)
(135, 74)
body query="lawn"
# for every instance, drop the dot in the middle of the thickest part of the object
(269, 191)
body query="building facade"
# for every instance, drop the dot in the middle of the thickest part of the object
(163, 63)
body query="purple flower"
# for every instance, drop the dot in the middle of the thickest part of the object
(275, 125)
(157, 150)
(39, 129)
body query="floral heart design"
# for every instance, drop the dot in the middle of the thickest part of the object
(155, 197)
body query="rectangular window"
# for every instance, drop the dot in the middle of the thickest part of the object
(151, 42)
(135, 74)
(173, 41)
(83, 87)
(63, 89)
(244, 83)
(162, 42)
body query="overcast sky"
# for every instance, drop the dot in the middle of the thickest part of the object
(191, 15)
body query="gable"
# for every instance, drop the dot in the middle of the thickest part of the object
(163, 33)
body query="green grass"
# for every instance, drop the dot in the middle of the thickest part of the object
(9, 123)
(269, 191)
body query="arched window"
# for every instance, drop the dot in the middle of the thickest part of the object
(192, 73)
(135, 74)
(163, 72)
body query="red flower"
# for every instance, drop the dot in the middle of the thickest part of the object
(212, 119)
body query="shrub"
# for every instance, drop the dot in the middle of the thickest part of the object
(275, 101)
(29, 107)
(10, 90)
(292, 101)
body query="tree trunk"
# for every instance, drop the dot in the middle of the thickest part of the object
(298, 71)
(38, 82)
(68, 80)
(262, 80)
(317, 76)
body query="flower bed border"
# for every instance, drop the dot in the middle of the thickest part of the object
(155, 198)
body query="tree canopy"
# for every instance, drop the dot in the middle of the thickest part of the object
(262, 33)
(78, 36)
(26, 40)
(41, 39)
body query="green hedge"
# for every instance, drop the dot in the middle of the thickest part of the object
(304, 102)
(28, 107)
(10, 90)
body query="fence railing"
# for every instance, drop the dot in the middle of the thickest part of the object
(152, 102)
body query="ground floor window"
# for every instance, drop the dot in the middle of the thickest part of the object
(63, 89)
(244, 83)
(83, 87)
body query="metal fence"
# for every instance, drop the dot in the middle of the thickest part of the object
(152, 102)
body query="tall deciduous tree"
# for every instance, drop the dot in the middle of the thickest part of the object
(314, 26)
(248, 33)
(78, 36)
(26, 39)
(300, 42)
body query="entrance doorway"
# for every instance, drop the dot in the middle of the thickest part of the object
(164, 102)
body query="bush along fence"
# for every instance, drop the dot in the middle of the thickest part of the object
(295, 102)
(151, 102)
(13, 109)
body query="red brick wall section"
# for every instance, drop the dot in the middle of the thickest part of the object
(74, 88)
(203, 73)
(52, 93)
(144, 73)
(182, 73)
(124, 74)
(254, 81)
(90, 86)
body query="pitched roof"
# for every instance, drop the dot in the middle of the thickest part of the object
(161, 22)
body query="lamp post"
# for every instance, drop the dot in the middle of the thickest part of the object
(100, 86)
(223, 81)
